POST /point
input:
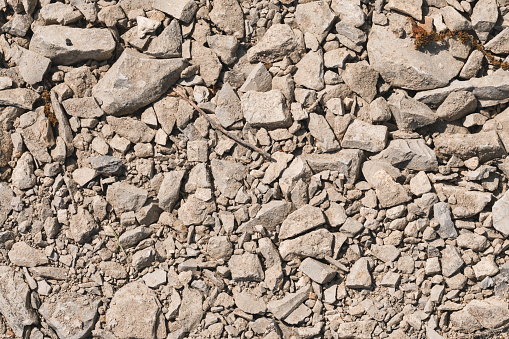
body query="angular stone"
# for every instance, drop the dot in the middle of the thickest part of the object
(484, 145)
(278, 42)
(6, 197)
(228, 109)
(472, 65)
(228, 176)
(362, 135)
(168, 44)
(15, 303)
(500, 214)
(59, 13)
(169, 190)
(18, 25)
(472, 241)
(442, 213)
(133, 130)
(316, 244)
(275, 169)
(409, 113)
(258, 80)
(486, 267)
(208, 62)
(454, 20)
(412, 8)
(451, 261)
(266, 109)
(362, 79)
(18, 97)
(219, 247)
(302, 220)
(70, 316)
(23, 174)
(349, 12)
(468, 203)
(388, 191)
(310, 71)
(386, 253)
(317, 271)
(125, 197)
(21, 254)
(315, 18)
(194, 210)
(225, 47)
(347, 162)
(249, 303)
(32, 66)
(359, 276)
(484, 17)
(410, 153)
(105, 164)
(191, 309)
(228, 17)
(322, 132)
(246, 267)
(135, 309)
(457, 105)
(86, 43)
(86, 108)
(500, 43)
(6, 147)
(183, 10)
(82, 226)
(400, 64)
(37, 135)
(132, 237)
(283, 307)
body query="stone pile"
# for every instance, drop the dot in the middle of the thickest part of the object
(382, 211)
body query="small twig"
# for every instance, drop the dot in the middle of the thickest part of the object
(220, 128)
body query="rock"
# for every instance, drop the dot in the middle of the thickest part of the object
(412, 8)
(388, 191)
(410, 153)
(442, 213)
(32, 66)
(359, 276)
(249, 303)
(451, 261)
(315, 18)
(168, 44)
(486, 267)
(37, 135)
(270, 215)
(86, 43)
(190, 312)
(472, 65)
(316, 244)
(23, 174)
(18, 25)
(146, 26)
(228, 109)
(484, 145)
(500, 215)
(183, 10)
(105, 164)
(472, 241)
(70, 316)
(275, 169)
(386, 253)
(278, 42)
(322, 132)
(53, 273)
(347, 162)
(310, 71)
(21, 254)
(155, 279)
(464, 321)
(113, 269)
(133, 130)
(302, 220)
(143, 258)
(125, 197)
(18, 97)
(219, 247)
(228, 17)
(258, 80)
(194, 210)
(336, 58)
(132, 237)
(228, 176)
(134, 81)
(409, 113)
(317, 271)
(206, 59)
(83, 175)
(225, 47)
(457, 105)
(6, 196)
(491, 313)
(169, 190)
(360, 329)
(484, 17)
(86, 108)
(454, 20)
(420, 184)
(59, 13)
(135, 309)
(246, 267)
(14, 301)
(362, 79)
(499, 44)
(6, 147)
(272, 263)
(82, 226)
(283, 307)
(266, 109)
(351, 37)
(362, 135)
(400, 64)
(468, 203)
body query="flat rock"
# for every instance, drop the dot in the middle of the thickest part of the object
(86, 108)
(359, 276)
(362, 135)
(228, 109)
(316, 244)
(442, 213)
(409, 113)
(86, 43)
(135, 80)
(70, 316)
(310, 71)
(266, 109)
(349, 12)
(454, 20)
(315, 18)
(125, 197)
(228, 176)
(249, 303)
(323, 133)
(347, 162)
(278, 42)
(484, 145)
(362, 79)
(246, 267)
(389, 192)
(6, 147)
(491, 313)
(33, 66)
(451, 261)
(105, 164)
(134, 130)
(484, 17)
(412, 8)
(169, 190)
(183, 10)
(302, 220)
(501, 214)
(82, 226)
(317, 271)
(500, 43)
(386, 253)
(168, 44)
(467, 203)
(208, 62)
(194, 210)
(283, 307)
(6, 196)
(270, 215)
(135, 309)
(22, 254)
(400, 64)
(410, 153)
(14, 301)
(23, 174)
(18, 97)
(228, 17)
(457, 105)
(37, 134)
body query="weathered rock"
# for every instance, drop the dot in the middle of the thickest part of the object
(362, 135)
(283, 307)
(135, 80)
(228, 17)
(347, 162)
(322, 132)
(208, 62)
(310, 71)
(225, 47)
(82, 226)
(86, 43)
(219, 247)
(467, 203)
(386, 253)
(183, 10)
(32, 66)
(484, 17)
(125, 197)
(23, 174)
(105, 164)
(169, 190)
(457, 105)
(59, 13)
(266, 109)
(133, 130)
(412, 8)
(194, 210)
(18, 25)
(410, 153)
(454, 20)
(85, 107)
(484, 145)
(472, 241)
(400, 64)
(302, 220)
(442, 213)
(451, 261)
(258, 80)
(316, 244)
(500, 43)
(15, 303)
(490, 313)
(388, 191)
(248, 302)
(500, 215)
(168, 44)
(228, 176)
(37, 134)
(6, 196)
(22, 254)
(275, 169)
(69, 315)
(362, 79)
(270, 215)
(18, 97)
(135, 309)
(315, 18)
(317, 271)
(349, 12)
(409, 113)
(359, 276)
(278, 42)
(246, 267)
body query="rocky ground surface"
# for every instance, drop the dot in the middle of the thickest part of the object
(124, 213)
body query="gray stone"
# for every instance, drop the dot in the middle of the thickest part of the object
(53, 273)
(248, 302)
(83, 175)
(410, 153)
(191, 309)
(500, 214)
(298, 169)
(451, 261)
(166, 109)
(225, 47)
(322, 132)
(270, 215)
(228, 109)
(349, 12)
(125, 197)
(316, 244)
(228, 17)
(302, 220)
(278, 42)
(219, 247)
(386, 253)
(18, 25)
(168, 44)
(454, 20)
(246, 267)
(82, 226)
(6, 196)
(113, 269)
(228, 176)
(472, 241)
(105, 164)
(266, 109)
(155, 279)
(484, 17)
(183, 10)
(315, 18)
(457, 105)
(442, 213)
(23, 174)
(467, 203)
(86, 108)
(401, 65)
(132, 237)
(80, 80)
(132, 129)
(86, 43)
(32, 66)
(275, 169)
(143, 258)
(19, 97)
(359, 276)
(484, 145)
(22, 254)
(412, 8)
(59, 13)
(351, 37)
(317, 271)
(258, 80)
(135, 80)
(491, 313)
(409, 113)
(272, 263)
(194, 210)
(283, 307)
(310, 71)
(351, 227)
(472, 65)
(64, 311)
(388, 191)
(420, 184)
(500, 43)
(6, 147)
(347, 162)
(486, 267)
(135, 309)
(362, 79)
(336, 58)
(15, 303)
(37, 134)
(169, 190)
(208, 62)
(362, 135)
